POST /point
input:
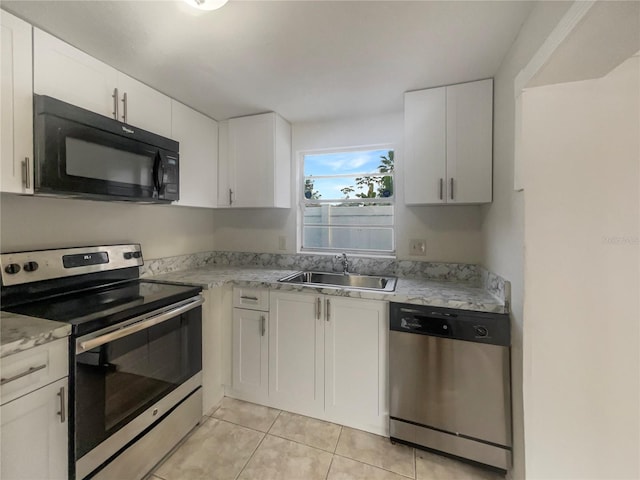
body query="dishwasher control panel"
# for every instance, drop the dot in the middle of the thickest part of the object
(491, 328)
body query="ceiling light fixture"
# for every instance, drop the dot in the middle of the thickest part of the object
(206, 4)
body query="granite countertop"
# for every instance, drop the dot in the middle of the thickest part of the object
(408, 290)
(19, 332)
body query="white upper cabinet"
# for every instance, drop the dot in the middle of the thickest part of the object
(198, 137)
(425, 114)
(16, 132)
(470, 142)
(68, 74)
(143, 106)
(255, 162)
(449, 144)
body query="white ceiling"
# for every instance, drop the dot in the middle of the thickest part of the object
(307, 60)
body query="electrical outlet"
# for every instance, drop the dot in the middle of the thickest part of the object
(417, 247)
(282, 242)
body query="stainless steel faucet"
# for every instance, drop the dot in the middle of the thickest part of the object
(345, 262)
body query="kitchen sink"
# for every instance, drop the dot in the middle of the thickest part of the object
(349, 280)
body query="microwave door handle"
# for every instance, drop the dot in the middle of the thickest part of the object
(157, 175)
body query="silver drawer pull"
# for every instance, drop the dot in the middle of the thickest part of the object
(23, 374)
(255, 299)
(63, 410)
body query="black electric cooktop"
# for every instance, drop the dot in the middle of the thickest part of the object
(96, 308)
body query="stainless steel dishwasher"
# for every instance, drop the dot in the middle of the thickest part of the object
(449, 379)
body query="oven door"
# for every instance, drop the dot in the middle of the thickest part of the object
(79, 153)
(127, 378)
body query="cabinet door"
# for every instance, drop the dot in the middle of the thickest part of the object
(224, 166)
(296, 351)
(145, 107)
(251, 155)
(250, 353)
(198, 137)
(356, 341)
(66, 73)
(425, 146)
(16, 133)
(34, 435)
(470, 142)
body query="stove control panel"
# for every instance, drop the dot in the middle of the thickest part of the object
(26, 267)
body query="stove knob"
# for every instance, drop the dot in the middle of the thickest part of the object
(30, 266)
(12, 268)
(127, 255)
(137, 254)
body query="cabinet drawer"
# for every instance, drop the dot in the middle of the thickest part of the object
(29, 370)
(251, 298)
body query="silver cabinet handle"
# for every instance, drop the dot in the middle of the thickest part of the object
(115, 104)
(144, 323)
(328, 310)
(25, 173)
(243, 297)
(451, 190)
(441, 188)
(318, 308)
(230, 197)
(262, 325)
(4, 381)
(124, 107)
(62, 412)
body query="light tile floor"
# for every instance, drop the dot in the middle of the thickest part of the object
(244, 441)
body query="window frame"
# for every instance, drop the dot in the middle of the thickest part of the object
(303, 201)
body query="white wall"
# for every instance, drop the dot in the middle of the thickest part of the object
(28, 223)
(452, 233)
(582, 313)
(503, 220)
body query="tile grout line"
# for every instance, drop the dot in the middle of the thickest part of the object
(330, 465)
(374, 466)
(415, 464)
(300, 443)
(239, 425)
(338, 441)
(274, 421)
(264, 435)
(310, 446)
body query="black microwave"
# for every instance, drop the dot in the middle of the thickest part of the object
(79, 153)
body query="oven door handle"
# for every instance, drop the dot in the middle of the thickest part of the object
(148, 322)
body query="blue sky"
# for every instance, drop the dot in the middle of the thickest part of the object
(345, 162)
(340, 163)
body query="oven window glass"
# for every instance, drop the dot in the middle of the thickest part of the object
(92, 160)
(119, 380)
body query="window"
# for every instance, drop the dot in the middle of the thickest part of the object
(348, 201)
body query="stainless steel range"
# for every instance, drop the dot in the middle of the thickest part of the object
(135, 353)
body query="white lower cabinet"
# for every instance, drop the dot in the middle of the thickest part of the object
(326, 357)
(33, 413)
(34, 435)
(250, 353)
(296, 352)
(250, 339)
(355, 363)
